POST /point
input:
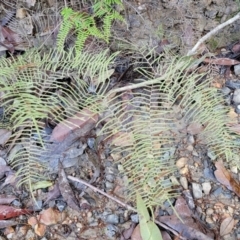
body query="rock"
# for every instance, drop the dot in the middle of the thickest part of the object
(110, 178)
(237, 69)
(190, 148)
(209, 211)
(206, 186)
(197, 190)
(234, 169)
(184, 182)
(112, 218)
(236, 96)
(208, 173)
(111, 230)
(181, 162)
(134, 218)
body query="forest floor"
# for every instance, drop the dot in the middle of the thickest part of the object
(208, 199)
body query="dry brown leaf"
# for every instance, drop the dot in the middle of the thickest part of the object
(40, 229)
(123, 139)
(226, 226)
(4, 136)
(32, 221)
(50, 216)
(222, 61)
(195, 128)
(136, 235)
(225, 177)
(83, 120)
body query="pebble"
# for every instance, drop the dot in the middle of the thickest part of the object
(209, 211)
(109, 185)
(208, 173)
(206, 186)
(61, 205)
(134, 218)
(197, 190)
(236, 96)
(190, 148)
(184, 170)
(234, 169)
(181, 162)
(237, 69)
(217, 192)
(111, 230)
(184, 182)
(110, 178)
(112, 218)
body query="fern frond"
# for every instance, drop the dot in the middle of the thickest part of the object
(148, 132)
(33, 90)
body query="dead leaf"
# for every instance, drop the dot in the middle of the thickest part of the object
(51, 216)
(7, 223)
(235, 127)
(236, 48)
(221, 61)
(7, 212)
(52, 194)
(4, 136)
(40, 229)
(136, 235)
(123, 139)
(6, 199)
(194, 128)
(126, 234)
(66, 189)
(225, 177)
(84, 120)
(226, 226)
(32, 221)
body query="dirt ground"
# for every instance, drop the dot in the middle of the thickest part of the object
(210, 208)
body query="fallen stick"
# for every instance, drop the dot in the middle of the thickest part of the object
(211, 33)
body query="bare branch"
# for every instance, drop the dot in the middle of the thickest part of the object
(211, 33)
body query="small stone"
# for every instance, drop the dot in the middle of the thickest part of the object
(237, 69)
(234, 169)
(181, 162)
(112, 218)
(195, 153)
(197, 190)
(110, 178)
(209, 220)
(184, 171)
(79, 225)
(89, 214)
(111, 230)
(191, 139)
(206, 186)
(134, 218)
(190, 148)
(236, 96)
(230, 210)
(184, 182)
(109, 185)
(209, 211)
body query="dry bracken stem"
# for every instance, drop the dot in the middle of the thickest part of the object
(211, 33)
(121, 203)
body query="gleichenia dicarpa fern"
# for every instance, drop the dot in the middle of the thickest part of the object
(87, 25)
(33, 92)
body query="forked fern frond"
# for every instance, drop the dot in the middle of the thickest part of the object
(149, 125)
(34, 90)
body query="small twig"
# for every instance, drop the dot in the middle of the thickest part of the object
(122, 203)
(211, 33)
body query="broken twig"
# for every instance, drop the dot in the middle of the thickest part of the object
(211, 33)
